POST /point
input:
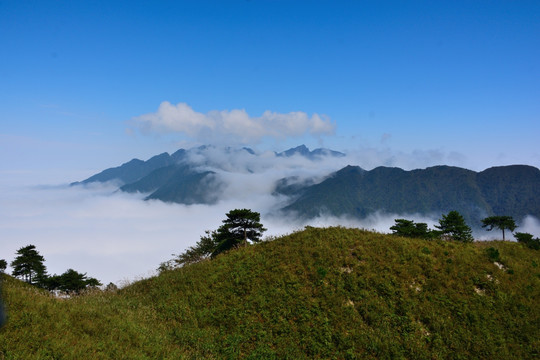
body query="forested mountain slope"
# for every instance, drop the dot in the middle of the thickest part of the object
(508, 190)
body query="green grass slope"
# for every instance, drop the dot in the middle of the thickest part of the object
(330, 293)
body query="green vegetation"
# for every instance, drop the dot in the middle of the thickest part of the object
(240, 226)
(528, 240)
(329, 293)
(29, 266)
(408, 228)
(70, 281)
(452, 226)
(499, 222)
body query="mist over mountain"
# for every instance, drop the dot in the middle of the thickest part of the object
(304, 184)
(206, 174)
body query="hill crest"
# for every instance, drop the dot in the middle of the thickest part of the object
(316, 293)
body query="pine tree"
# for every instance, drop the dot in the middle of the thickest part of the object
(71, 281)
(453, 226)
(408, 228)
(240, 226)
(499, 222)
(29, 266)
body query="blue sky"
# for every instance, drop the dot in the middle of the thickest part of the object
(455, 82)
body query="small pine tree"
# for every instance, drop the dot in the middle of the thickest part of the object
(29, 266)
(71, 281)
(240, 226)
(408, 228)
(453, 226)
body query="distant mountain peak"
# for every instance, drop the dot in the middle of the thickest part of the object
(350, 169)
(304, 151)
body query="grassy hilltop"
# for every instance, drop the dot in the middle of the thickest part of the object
(318, 293)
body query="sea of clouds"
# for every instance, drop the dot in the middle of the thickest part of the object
(118, 237)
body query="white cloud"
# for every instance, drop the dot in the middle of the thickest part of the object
(171, 118)
(233, 126)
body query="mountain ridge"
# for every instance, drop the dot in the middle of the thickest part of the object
(197, 176)
(356, 192)
(136, 169)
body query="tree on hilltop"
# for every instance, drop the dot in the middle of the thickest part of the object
(499, 222)
(29, 266)
(408, 228)
(71, 281)
(239, 228)
(453, 226)
(527, 239)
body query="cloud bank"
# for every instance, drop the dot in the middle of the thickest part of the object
(116, 236)
(237, 126)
